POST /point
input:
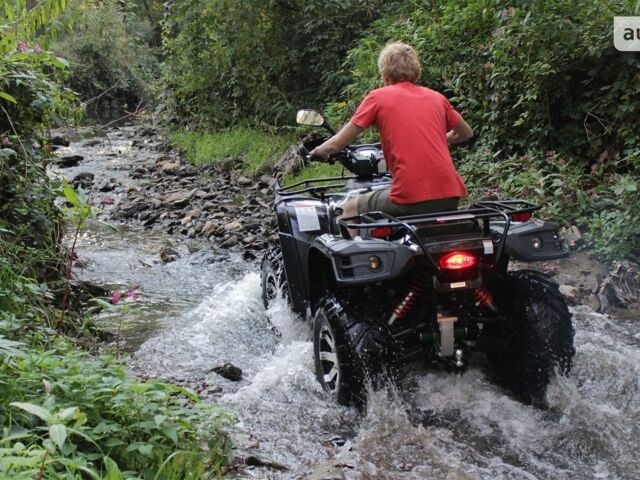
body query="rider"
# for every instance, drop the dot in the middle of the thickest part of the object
(415, 123)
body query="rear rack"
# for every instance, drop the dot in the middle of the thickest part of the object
(483, 211)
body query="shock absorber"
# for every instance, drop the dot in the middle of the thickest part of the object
(484, 297)
(417, 285)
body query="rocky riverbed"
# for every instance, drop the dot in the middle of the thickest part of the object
(234, 212)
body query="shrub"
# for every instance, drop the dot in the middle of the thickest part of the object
(113, 63)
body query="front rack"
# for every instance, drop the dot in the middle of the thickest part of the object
(483, 211)
(311, 185)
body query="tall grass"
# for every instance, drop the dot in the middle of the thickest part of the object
(252, 146)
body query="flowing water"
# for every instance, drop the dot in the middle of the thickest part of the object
(205, 309)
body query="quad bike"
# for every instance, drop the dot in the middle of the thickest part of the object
(434, 287)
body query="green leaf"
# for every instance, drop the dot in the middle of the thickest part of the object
(58, 434)
(171, 432)
(8, 97)
(70, 195)
(36, 410)
(113, 472)
(159, 419)
(67, 413)
(114, 442)
(146, 449)
(60, 62)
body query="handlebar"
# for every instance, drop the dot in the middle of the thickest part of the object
(306, 155)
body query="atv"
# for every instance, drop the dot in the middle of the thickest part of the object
(434, 288)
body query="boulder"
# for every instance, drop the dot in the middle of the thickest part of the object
(69, 161)
(83, 179)
(229, 371)
(180, 198)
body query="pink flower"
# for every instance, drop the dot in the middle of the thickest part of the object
(37, 47)
(23, 46)
(107, 200)
(5, 141)
(116, 296)
(131, 294)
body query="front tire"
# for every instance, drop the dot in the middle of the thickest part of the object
(273, 278)
(540, 333)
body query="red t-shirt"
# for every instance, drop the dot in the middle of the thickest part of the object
(413, 122)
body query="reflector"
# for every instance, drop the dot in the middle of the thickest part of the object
(457, 261)
(381, 232)
(521, 217)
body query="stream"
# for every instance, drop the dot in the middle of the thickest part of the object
(205, 309)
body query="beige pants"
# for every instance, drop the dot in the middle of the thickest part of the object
(380, 201)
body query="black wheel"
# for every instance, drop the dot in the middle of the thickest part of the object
(347, 351)
(274, 281)
(540, 334)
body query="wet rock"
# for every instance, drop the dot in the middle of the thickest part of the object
(60, 141)
(168, 254)
(151, 219)
(83, 179)
(249, 256)
(234, 226)
(147, 132)
(181, 198)
(108, 185)
(229, 242)
(69, 161)
(571, 235)
(229, 371)
(92, 142)
(188, 171)
(570, 293)
(228, 164)
(170, 168)
(209, 228)
(244, 181)
(620, 288)
(254, 461)
(139, 172)
(265, 181)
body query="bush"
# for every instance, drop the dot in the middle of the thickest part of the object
(229, 61)
(67, 415)
(113, 63)
(539, 82)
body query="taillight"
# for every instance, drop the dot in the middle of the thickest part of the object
(457, 261)
(521, 217)
(381, 232)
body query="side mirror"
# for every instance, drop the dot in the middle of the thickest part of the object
(310, 117)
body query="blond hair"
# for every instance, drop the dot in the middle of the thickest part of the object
(398, 62)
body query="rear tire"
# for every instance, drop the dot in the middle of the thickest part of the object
(273, 279)
(347, 351)
(540, 331)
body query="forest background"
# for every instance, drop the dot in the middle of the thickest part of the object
(554, 106)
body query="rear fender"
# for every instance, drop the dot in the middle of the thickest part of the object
(350, 259)
(523, 238)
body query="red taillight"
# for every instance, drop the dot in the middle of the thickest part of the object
(457, 261)
(381, 232)
(521, 217)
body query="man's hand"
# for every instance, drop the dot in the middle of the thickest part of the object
(461, 133)
(320, 152)
(344, 137)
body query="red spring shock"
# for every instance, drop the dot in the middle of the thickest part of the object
(416, 287)
(484, 297)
